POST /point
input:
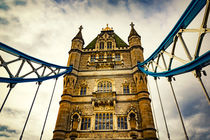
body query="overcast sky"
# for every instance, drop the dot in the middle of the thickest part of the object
(44, 29)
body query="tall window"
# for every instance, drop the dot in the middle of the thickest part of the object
(103, 121)
(85, 124)
(101, 56)
(126, 89)
(109, 56)
(83, 91)
(117, 57)
(92, 58)
(102, 45)
(104, 86)
(122, 122)
(109, 45)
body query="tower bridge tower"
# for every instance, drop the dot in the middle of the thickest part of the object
(105, 96)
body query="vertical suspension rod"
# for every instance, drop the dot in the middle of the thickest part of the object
(204, 89)
(198, 75)
(10, 88)
(21, 136)
(177, 106)
(48, 109)
(164, 117)
(154, 112)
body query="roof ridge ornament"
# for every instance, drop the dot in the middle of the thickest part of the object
(107, 28)
(80, 28)
(132, 25)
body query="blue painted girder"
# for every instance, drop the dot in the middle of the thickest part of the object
(198, 63)
(189, 14)
(17, 53)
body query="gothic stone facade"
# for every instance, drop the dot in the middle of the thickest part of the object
(105, 96)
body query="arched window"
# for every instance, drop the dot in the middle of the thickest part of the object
(104, 86)
(126, 89)
(83, 90)
(109, 45)
(101, 45)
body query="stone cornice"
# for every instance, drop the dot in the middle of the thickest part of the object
(75, 50)
(136, 47)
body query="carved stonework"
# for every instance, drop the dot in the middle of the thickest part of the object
(105, 96)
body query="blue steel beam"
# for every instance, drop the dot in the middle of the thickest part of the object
(17, 53)
(22, 80)
(198, 63)
(189, 14)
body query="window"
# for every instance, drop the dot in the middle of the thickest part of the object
(83, 91)
(85, 124)
(103, 121)
(109, 56)
(126, 89)
(122, 122)
(104, 86)
(109, 45)
(92, 58)
(117, 57)
(101, 56)
(102, 45)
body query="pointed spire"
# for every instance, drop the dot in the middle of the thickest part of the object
(79, 34)
(133, 31)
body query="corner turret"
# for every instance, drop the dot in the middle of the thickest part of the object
(78, 41)
(134, 38)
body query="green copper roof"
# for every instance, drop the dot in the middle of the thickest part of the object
(92, 44)
(118, 40)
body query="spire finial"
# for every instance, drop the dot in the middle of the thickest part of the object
(107, 28)
(80, 28)
(132, 25)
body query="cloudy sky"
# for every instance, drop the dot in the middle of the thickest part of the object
(44, 29)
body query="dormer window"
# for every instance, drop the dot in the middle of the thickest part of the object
(101, 45)
(109, 45)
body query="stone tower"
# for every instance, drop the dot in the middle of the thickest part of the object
(105, 96)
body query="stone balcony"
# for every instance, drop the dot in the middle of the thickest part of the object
(105, 62)
(105, 98)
